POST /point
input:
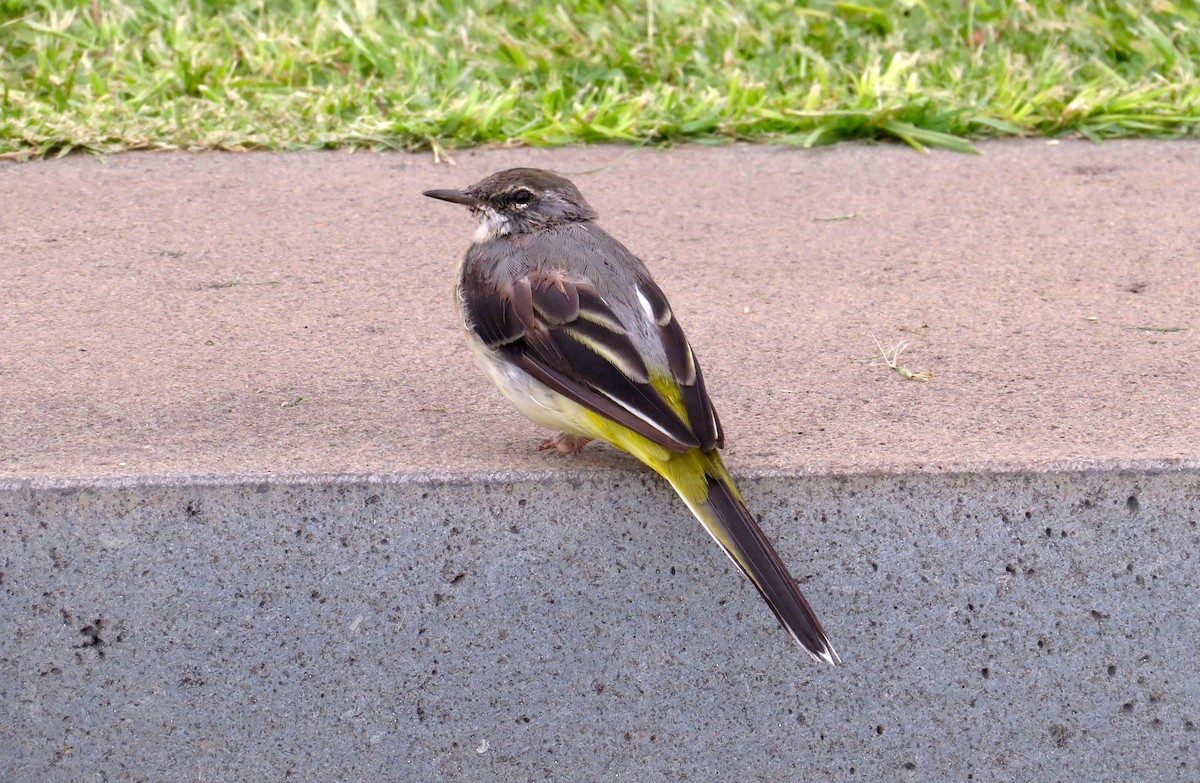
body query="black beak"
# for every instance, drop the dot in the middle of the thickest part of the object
(455, 196)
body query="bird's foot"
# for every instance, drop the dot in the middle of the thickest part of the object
(565, 443)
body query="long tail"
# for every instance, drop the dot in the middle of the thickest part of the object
(701, 480)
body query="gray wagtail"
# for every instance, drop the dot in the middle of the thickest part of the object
(578, 337)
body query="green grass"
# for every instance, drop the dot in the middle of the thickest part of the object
(112, 75)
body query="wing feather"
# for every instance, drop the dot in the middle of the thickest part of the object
(559, 329)
(684, 367)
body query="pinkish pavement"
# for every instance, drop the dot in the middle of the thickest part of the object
(176, 315)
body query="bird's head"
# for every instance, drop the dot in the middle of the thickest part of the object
(520, 201)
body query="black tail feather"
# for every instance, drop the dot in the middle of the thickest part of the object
(755, 556)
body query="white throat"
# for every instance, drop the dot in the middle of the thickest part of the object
(491, 225)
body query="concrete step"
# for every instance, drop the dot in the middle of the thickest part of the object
(260, 517)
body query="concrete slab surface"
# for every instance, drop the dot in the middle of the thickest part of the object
(260, 518)
(1033, 629)
(160, 310)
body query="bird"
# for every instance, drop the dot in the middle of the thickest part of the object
(578, 337)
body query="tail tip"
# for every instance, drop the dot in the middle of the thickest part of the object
(826, 653)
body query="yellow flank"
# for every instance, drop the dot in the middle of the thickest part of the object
(688, 472)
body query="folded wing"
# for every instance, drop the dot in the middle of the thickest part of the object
(556, 327)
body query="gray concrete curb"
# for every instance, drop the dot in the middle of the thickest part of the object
(261, 520)
(1033, 626)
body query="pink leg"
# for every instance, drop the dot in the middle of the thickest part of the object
(565, 443)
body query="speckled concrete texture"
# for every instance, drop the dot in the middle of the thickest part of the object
(260, 518)
(1029, 628)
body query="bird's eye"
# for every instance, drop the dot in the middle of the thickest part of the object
(522, 197)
